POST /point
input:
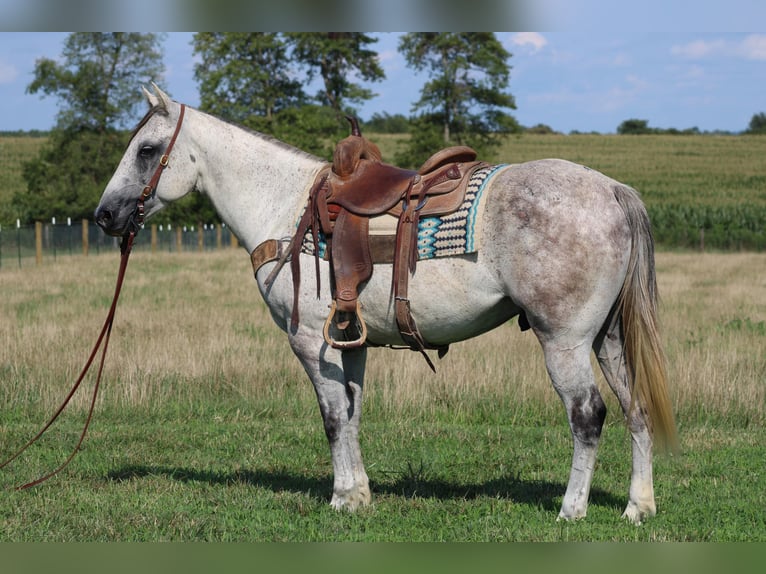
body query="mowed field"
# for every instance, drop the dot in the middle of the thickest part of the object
(207, 428)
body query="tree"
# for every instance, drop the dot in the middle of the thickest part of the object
(465, 97)
(634, 127)
(245, 77)
(97, 83)
(249, 78)
(385, 123)
(252, 79)
(337, 56)
(757, 124)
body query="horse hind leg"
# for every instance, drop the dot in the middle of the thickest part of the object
(572, 376)
(608, 347)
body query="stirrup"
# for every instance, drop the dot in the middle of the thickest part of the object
(345, 344)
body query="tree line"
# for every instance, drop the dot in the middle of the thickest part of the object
(258, 80)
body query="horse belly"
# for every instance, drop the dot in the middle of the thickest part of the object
(451, 299)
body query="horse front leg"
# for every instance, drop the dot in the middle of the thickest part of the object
(338, 378)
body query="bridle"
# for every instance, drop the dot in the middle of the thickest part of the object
(135, 223)
(136, 220)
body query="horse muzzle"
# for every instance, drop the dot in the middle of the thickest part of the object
(108, 221)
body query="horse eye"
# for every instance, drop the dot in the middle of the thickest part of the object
(146, 151)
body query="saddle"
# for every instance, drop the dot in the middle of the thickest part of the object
(345, 195)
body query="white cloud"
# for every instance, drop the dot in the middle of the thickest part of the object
(8, 73)
(535, 40)
(754, 47)
(698, 49)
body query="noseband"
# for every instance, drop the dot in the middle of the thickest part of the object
(136, 220)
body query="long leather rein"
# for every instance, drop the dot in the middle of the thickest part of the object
(136, 222)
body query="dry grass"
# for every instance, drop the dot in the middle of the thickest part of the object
(193, 326)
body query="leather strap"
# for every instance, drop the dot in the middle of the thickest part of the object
(126, 246)
(266, 252)
(106, 331)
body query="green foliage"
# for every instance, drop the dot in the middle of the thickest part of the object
(634, 127)
(641, 127)
(249, 78)
(241, 75)
(69, 174)
(736, 227)
(15, 151)
(386, 123)
(540, 129)
(95, 83)
(312, 128)
(338, 56)
(757, 124)
(96, 79)
(465, 97)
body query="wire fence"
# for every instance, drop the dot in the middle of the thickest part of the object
(29, 245)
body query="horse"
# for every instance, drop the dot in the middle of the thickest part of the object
(564, 247)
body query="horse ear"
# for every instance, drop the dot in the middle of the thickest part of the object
(150, 97)
(164, 99)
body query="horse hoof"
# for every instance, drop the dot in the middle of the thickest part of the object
(636, 515)
(351, 500)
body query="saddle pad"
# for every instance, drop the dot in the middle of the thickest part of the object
(456, 233)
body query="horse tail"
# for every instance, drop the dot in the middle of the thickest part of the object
(637, 305)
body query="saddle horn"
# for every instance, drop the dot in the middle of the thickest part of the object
(355, 131)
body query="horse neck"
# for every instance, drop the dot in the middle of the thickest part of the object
(258, 185)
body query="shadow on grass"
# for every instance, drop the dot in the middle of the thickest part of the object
(544, 494)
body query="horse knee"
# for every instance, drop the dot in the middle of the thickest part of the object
(586, 416)
(332, 426)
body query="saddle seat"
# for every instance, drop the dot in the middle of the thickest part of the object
(345, 195)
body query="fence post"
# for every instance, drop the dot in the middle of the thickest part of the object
(154, 237)
(38, 242)
(179, 240)
(85, 236)
(200, 238)
(218, 236)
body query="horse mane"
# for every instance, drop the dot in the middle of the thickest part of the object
(267, 138)
(270, 139)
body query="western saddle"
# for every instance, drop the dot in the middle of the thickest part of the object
(346, 194)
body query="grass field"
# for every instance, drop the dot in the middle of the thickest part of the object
(207, 428)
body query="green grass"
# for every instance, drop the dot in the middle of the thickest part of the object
(224, 472)
(207, 428)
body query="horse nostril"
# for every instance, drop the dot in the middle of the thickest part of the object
(103, 218)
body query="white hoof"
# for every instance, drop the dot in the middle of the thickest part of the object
(350, 500)
(571, 516)
(636, 515)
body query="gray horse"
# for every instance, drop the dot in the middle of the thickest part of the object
(563, 246)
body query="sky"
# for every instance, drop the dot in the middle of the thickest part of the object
(588, 74)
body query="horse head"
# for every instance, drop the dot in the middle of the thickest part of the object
(157, 147)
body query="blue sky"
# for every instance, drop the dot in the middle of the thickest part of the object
(588, 79)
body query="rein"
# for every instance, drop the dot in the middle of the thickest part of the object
(136, 222)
